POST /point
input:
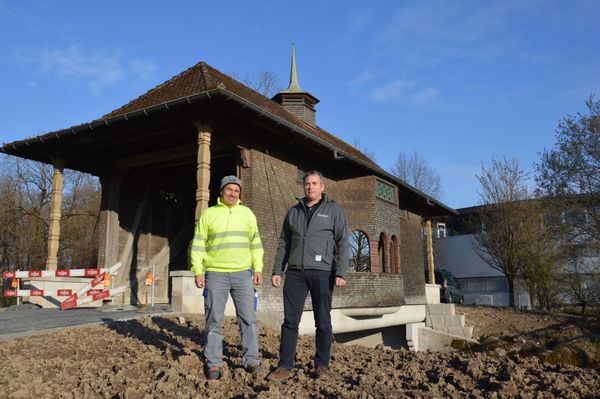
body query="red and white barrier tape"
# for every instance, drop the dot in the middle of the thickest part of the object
(55, 273)
(79, 294)
(63, 292)
(72, 297)
(112, 270)
(72, 301)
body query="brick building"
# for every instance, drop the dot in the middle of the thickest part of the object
(160, 158)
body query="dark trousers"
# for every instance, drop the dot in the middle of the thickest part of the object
(295, 289)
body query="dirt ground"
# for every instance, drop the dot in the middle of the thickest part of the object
(521, 355)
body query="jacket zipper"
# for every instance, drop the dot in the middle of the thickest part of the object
(304, 235)
(306, 225)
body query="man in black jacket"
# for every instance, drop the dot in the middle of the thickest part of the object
(314, 246)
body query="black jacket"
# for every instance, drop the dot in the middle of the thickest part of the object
(322, 245)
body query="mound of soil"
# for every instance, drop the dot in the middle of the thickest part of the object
(553, 338)
(162, 357)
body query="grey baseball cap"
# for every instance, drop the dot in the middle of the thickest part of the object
(230, 180)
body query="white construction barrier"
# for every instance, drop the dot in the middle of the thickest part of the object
(84, 295)
(14, 293)
(103, 294)
(55, 273)
(78, 297)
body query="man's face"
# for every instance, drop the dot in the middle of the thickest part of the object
(313, 187)
(230, 194)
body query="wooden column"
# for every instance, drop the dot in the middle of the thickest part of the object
(203, 165)
(429, 252)
(55, 205)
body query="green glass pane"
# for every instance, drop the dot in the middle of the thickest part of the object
(384, 191)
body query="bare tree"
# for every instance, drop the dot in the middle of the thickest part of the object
(543, 257)
(413, 169)
(581, 280)
(25, 199)
(80, 212)
(264, 82)
(366, 151)
(360, 259)
(503, 211)
(25, 189)
(569, 174)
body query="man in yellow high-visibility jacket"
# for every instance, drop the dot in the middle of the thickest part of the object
(227, 258)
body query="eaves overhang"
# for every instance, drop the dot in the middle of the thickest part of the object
(432, 207)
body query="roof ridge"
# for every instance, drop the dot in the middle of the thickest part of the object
(203, 71)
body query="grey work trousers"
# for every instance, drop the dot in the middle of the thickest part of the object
(218, 286)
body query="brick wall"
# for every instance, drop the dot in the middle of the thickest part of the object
(411, 258)
(270, 188)
(362, 290)
(308, 115)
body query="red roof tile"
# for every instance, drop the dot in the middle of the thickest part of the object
(202, 77)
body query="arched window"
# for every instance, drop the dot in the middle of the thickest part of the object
(382, 249)
(360, 252)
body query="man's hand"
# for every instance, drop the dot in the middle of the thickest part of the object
(340, 282)
(200, 280)
(258, 278)
(276, 280)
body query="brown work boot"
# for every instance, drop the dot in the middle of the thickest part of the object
(279, 374)
(322, 373)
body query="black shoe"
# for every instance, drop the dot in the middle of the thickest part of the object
(254, 368)
(214, 373)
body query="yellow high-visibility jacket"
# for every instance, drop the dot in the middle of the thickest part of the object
(226, 240)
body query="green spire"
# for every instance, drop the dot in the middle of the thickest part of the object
(294, 87)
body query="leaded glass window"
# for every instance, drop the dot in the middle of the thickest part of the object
(385, 191)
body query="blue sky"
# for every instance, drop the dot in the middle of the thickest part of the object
(459, 82)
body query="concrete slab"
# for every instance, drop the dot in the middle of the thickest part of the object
(441, 321)
(441, 309)
(442, 342)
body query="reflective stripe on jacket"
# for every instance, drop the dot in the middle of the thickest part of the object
(226, 240)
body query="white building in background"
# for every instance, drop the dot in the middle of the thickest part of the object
(454, 243)
(482, 284)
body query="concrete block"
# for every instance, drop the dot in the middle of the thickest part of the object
(187, 298)
(440, 341)
(436, 321)
(428, 322)
(272, 319)
(432, 293)
(454, 321)
(439, 322)
(441, 309)
(412, 335)
(466, 332)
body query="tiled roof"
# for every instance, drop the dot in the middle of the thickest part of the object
(202, 80)
(202, 77)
